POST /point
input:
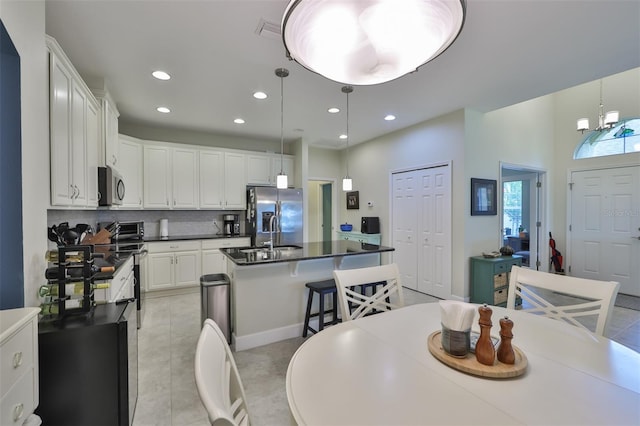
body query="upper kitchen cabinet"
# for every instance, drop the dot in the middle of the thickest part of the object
(263, 169)
(73, 134)
(130, 167)
(170, 177)
(222, 180)
(109, 138)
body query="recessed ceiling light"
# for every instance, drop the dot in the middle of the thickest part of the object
(260, 95)
(238, 121)
(161, 75)
(163, 110)
(343, 136)
(390, 117)
(333, 110)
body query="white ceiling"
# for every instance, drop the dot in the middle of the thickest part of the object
(508, 52)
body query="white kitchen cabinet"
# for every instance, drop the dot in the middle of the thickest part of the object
(121, 284)
(258, 169)
(92, 154)
(130, 167)
(223, 183)
(170, 177)
(185, 178)
(157, 177)
(235, 181)
(263, 169)
(73, 135)
(287, 168)
(18, 364)
(172, 264)
(110, 116)
(214, 261)
(212, 177)
(108, 141)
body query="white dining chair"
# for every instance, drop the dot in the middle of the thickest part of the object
(218, 380)
(588, 297)
(387, 296)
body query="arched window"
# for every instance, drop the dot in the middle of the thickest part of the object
(622, 138)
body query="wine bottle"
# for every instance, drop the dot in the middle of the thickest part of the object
(52, 273)
(71, 256)
(52, 308)
(76, 288)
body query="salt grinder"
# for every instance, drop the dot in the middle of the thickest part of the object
(505, 350)
(485, 352)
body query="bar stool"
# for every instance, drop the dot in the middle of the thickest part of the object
(322, 288)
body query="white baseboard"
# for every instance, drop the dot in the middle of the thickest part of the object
(265, 337)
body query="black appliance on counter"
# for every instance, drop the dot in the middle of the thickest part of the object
(231, 224)
(88, 367)
(370, 225)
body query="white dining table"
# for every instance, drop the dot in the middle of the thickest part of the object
(378, 370)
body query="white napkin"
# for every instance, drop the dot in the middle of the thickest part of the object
(455, 315)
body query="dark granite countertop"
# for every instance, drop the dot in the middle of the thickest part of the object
(193, 237)
(303, 251)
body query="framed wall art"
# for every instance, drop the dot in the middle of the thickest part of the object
(353, 200)
(483, 197)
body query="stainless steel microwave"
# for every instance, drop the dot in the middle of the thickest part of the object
(110, 187)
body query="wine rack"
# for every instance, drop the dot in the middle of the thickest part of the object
(75, 266)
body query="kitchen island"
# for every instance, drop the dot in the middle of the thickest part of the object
(268, 293)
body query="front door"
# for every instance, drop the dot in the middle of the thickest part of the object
(605, 226)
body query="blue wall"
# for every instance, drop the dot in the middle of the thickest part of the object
(11, 264)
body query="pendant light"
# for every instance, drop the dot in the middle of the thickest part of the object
(364, 42)
(347, 182)
(605, 121)
(281, 179)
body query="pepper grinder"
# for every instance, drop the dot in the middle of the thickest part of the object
(485, 352)
(505, 350)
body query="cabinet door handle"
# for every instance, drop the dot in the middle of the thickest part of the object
(139, 201)
(18, 411)
(17, 359)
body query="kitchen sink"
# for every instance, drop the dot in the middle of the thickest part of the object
(267, 249)
(287, 248)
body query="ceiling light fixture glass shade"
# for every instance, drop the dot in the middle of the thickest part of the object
(347, 182)
(365, 42)
(282, 181)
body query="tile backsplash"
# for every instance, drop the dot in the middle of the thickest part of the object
(181, 222)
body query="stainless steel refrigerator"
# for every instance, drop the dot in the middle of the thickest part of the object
(285, 204)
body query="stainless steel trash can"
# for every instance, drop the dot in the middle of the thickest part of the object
(215, 301)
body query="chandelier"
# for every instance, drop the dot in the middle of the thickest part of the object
(365, 42)
(605, 121)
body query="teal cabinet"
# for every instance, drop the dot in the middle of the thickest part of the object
(359, 236)
(490, 278)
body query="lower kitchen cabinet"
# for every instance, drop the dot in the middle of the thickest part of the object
(490, 278)
(172, 264)
(19, 394)
(213, 261)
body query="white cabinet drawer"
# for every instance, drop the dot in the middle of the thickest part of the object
(225, 243)
(18, 404)
(172, 246)
(16, 357)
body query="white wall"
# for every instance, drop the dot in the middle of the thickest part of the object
(25, 22)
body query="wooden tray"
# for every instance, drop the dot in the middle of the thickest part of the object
(470, 365)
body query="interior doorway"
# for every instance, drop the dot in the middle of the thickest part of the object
(322, 212)
(521, 213)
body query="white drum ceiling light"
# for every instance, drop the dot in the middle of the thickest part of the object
(365, 42)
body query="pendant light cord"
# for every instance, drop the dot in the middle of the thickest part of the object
(281, 122)
(347, 90)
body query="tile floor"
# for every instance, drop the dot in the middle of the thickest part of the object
(167, 392)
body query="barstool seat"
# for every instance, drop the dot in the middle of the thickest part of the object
(322, 288)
